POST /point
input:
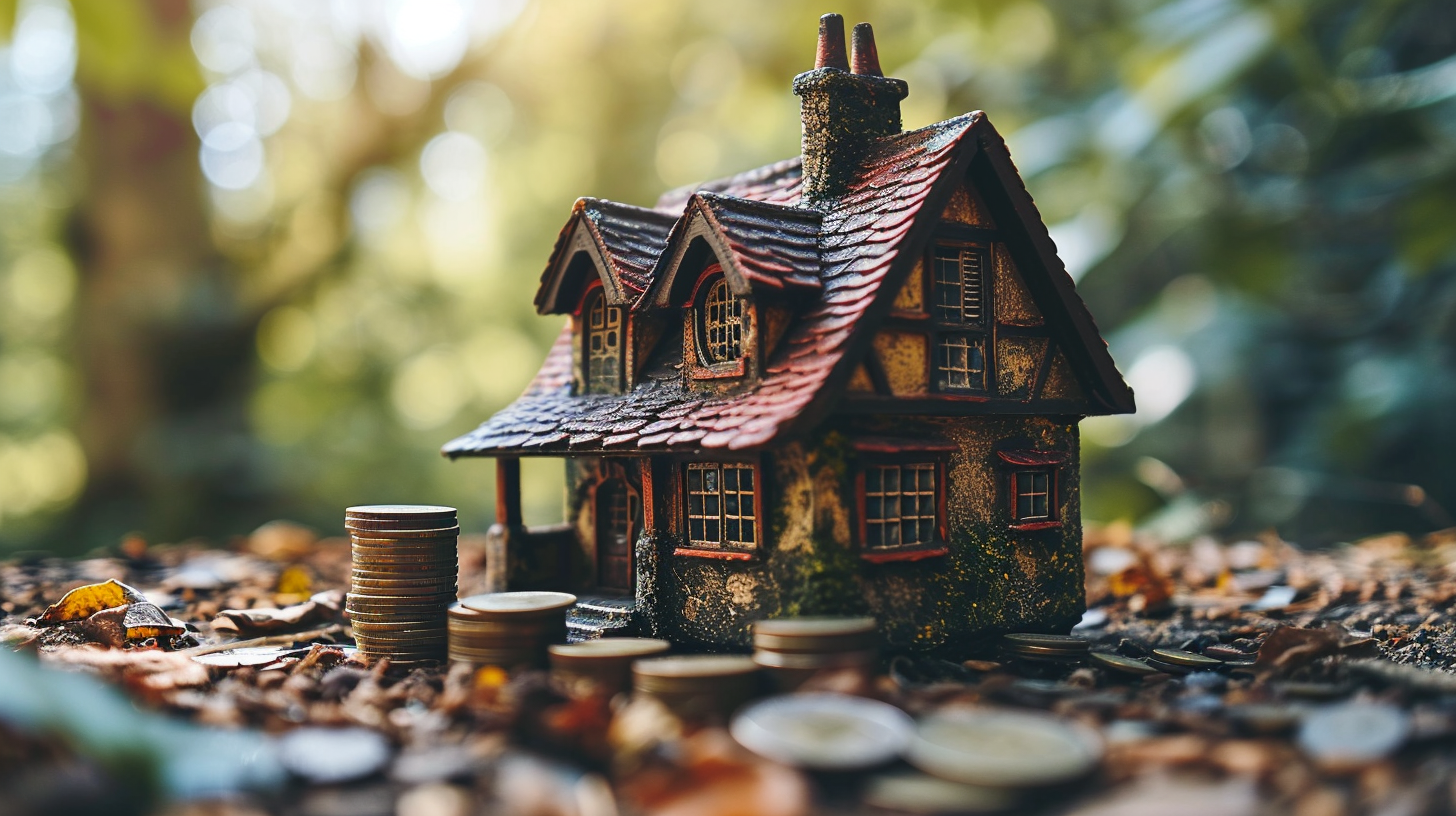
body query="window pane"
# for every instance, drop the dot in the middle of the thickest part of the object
(960, 363)
(903, 510)
(722, 324)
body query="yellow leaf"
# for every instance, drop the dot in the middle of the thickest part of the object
(491, 677)
(83, 602)
(295, 581)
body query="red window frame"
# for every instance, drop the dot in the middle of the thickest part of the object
(877, 453)
(1026, 463)
(701, 367)
(723, 551)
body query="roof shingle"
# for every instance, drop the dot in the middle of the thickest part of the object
(873, 215)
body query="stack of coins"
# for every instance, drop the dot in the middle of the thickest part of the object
(697, 686)
(1035, 651)
(606, 662)
(1177, 661)
(508, 629)
(403, 581)
(795, 649)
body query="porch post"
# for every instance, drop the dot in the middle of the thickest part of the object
(498, 542)
(508, 491)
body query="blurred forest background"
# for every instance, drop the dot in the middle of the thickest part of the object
(259, 259)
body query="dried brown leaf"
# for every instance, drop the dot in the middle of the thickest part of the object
(85, 601)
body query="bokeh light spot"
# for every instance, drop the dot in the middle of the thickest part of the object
(286, 338)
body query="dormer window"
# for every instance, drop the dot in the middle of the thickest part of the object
(603, 345)
(720, 318)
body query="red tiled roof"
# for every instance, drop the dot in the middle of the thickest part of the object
(776, 183)
(627, 238)
(770, 246)
(773, 245)
(859, 239)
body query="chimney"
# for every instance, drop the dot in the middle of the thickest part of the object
(843, 110)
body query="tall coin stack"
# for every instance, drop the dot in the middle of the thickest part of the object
(403, 582)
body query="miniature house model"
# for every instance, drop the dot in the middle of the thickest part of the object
(845, 383)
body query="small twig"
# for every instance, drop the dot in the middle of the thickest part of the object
(268, 640)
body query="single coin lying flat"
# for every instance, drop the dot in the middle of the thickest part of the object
(824, 731)
(910, 792)
(1011, 749)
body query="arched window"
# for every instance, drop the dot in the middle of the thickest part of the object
(722, 324)
(603, 345)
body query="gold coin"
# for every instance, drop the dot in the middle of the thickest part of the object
(836, 660)
(1004, 749)
(405, 572)
(398, 511)
(1059, 643)
(1120, 664)
(528, 626)
(815, 645)
(815, 627)
(607, 648)
(396, 529)
(406, 548)
(1190, 660)
(395, 589)
(501, 605)
(414, 538)
(403, 579)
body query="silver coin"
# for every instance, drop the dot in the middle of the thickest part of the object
(328, 755)
(1000, 748)
(824, 731)
(910, 792)
(1352, 734)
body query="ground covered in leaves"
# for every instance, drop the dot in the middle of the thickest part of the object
(230, 686)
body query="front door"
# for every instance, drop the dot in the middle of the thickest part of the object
(619, 516)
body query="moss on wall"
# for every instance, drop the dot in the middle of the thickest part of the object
(993, 579)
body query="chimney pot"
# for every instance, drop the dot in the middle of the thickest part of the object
(831, 43)
(865, 57)
(843, 113)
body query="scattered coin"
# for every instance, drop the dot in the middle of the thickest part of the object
(824, 731)
(332, 755)
(910, 792)
(605, 661)
(1121, 664)
(1350, 735)
(697, 686)
(1003, 748)
(1187, 660)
